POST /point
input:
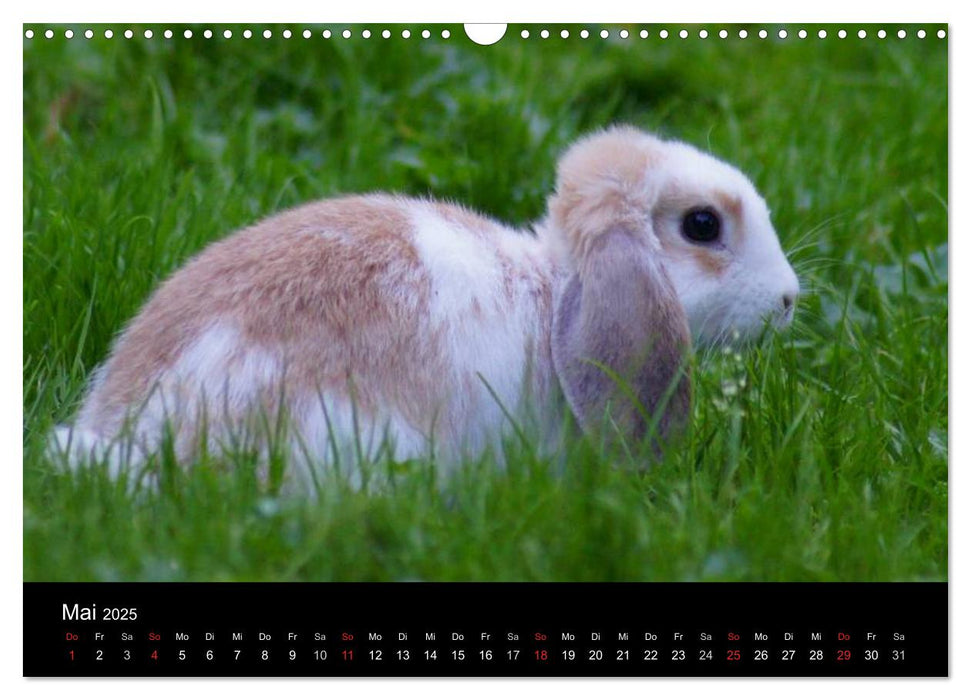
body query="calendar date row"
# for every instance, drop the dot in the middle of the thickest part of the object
(459, 655)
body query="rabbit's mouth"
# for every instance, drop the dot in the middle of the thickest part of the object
(782, 317)
(718, 330)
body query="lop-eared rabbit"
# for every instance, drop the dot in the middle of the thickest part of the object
(383, 322)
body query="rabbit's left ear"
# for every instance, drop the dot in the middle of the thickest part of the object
(620, 336)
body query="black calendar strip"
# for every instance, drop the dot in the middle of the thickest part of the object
(475, 629)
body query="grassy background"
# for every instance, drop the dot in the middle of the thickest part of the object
(821, 455)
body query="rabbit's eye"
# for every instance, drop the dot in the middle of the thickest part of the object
(701, 225)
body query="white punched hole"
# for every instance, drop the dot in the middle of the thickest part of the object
(446, 34)
(663, 33)
(386, 34)
(783, 34)
(841, 33)
(584, 34)
(187, 33)
(485, 34)
(50, 34)
(247, 34)
(267, 34)
(287, 34)
(723, 34)
(703, 33)
(109, 33)
(366, 34)
(624, 34)
(921, 33)
(524, 34)
(228, 34)
(564, 34)
(604, 33)
(346, 33)
(882, 34)
(425, 34)
(148, 34)
(643, 34)
(168, 34)
(742, 34)
(803, 33)
(29, 34)
(683, 34)
(325, 34)
(68, 34)
(941, 33)
(88, 34)
(861, 33)
(545, 34)
(207, 34)
(307, 34)
(821, 34)
(763, 34)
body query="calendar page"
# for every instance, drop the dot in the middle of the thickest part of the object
(485, 350)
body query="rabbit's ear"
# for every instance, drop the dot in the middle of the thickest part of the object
(620, 338)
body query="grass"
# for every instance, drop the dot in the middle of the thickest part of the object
(819, 455)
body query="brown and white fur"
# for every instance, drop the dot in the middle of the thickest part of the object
(420, 325)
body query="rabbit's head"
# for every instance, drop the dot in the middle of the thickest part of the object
(661, 242)
(719, 247)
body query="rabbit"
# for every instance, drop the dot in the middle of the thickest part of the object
(419, 326)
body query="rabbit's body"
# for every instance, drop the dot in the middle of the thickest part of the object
(376, 322)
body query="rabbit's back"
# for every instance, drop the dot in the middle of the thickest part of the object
(367, 320)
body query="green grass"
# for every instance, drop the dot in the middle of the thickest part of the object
(819, 455)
